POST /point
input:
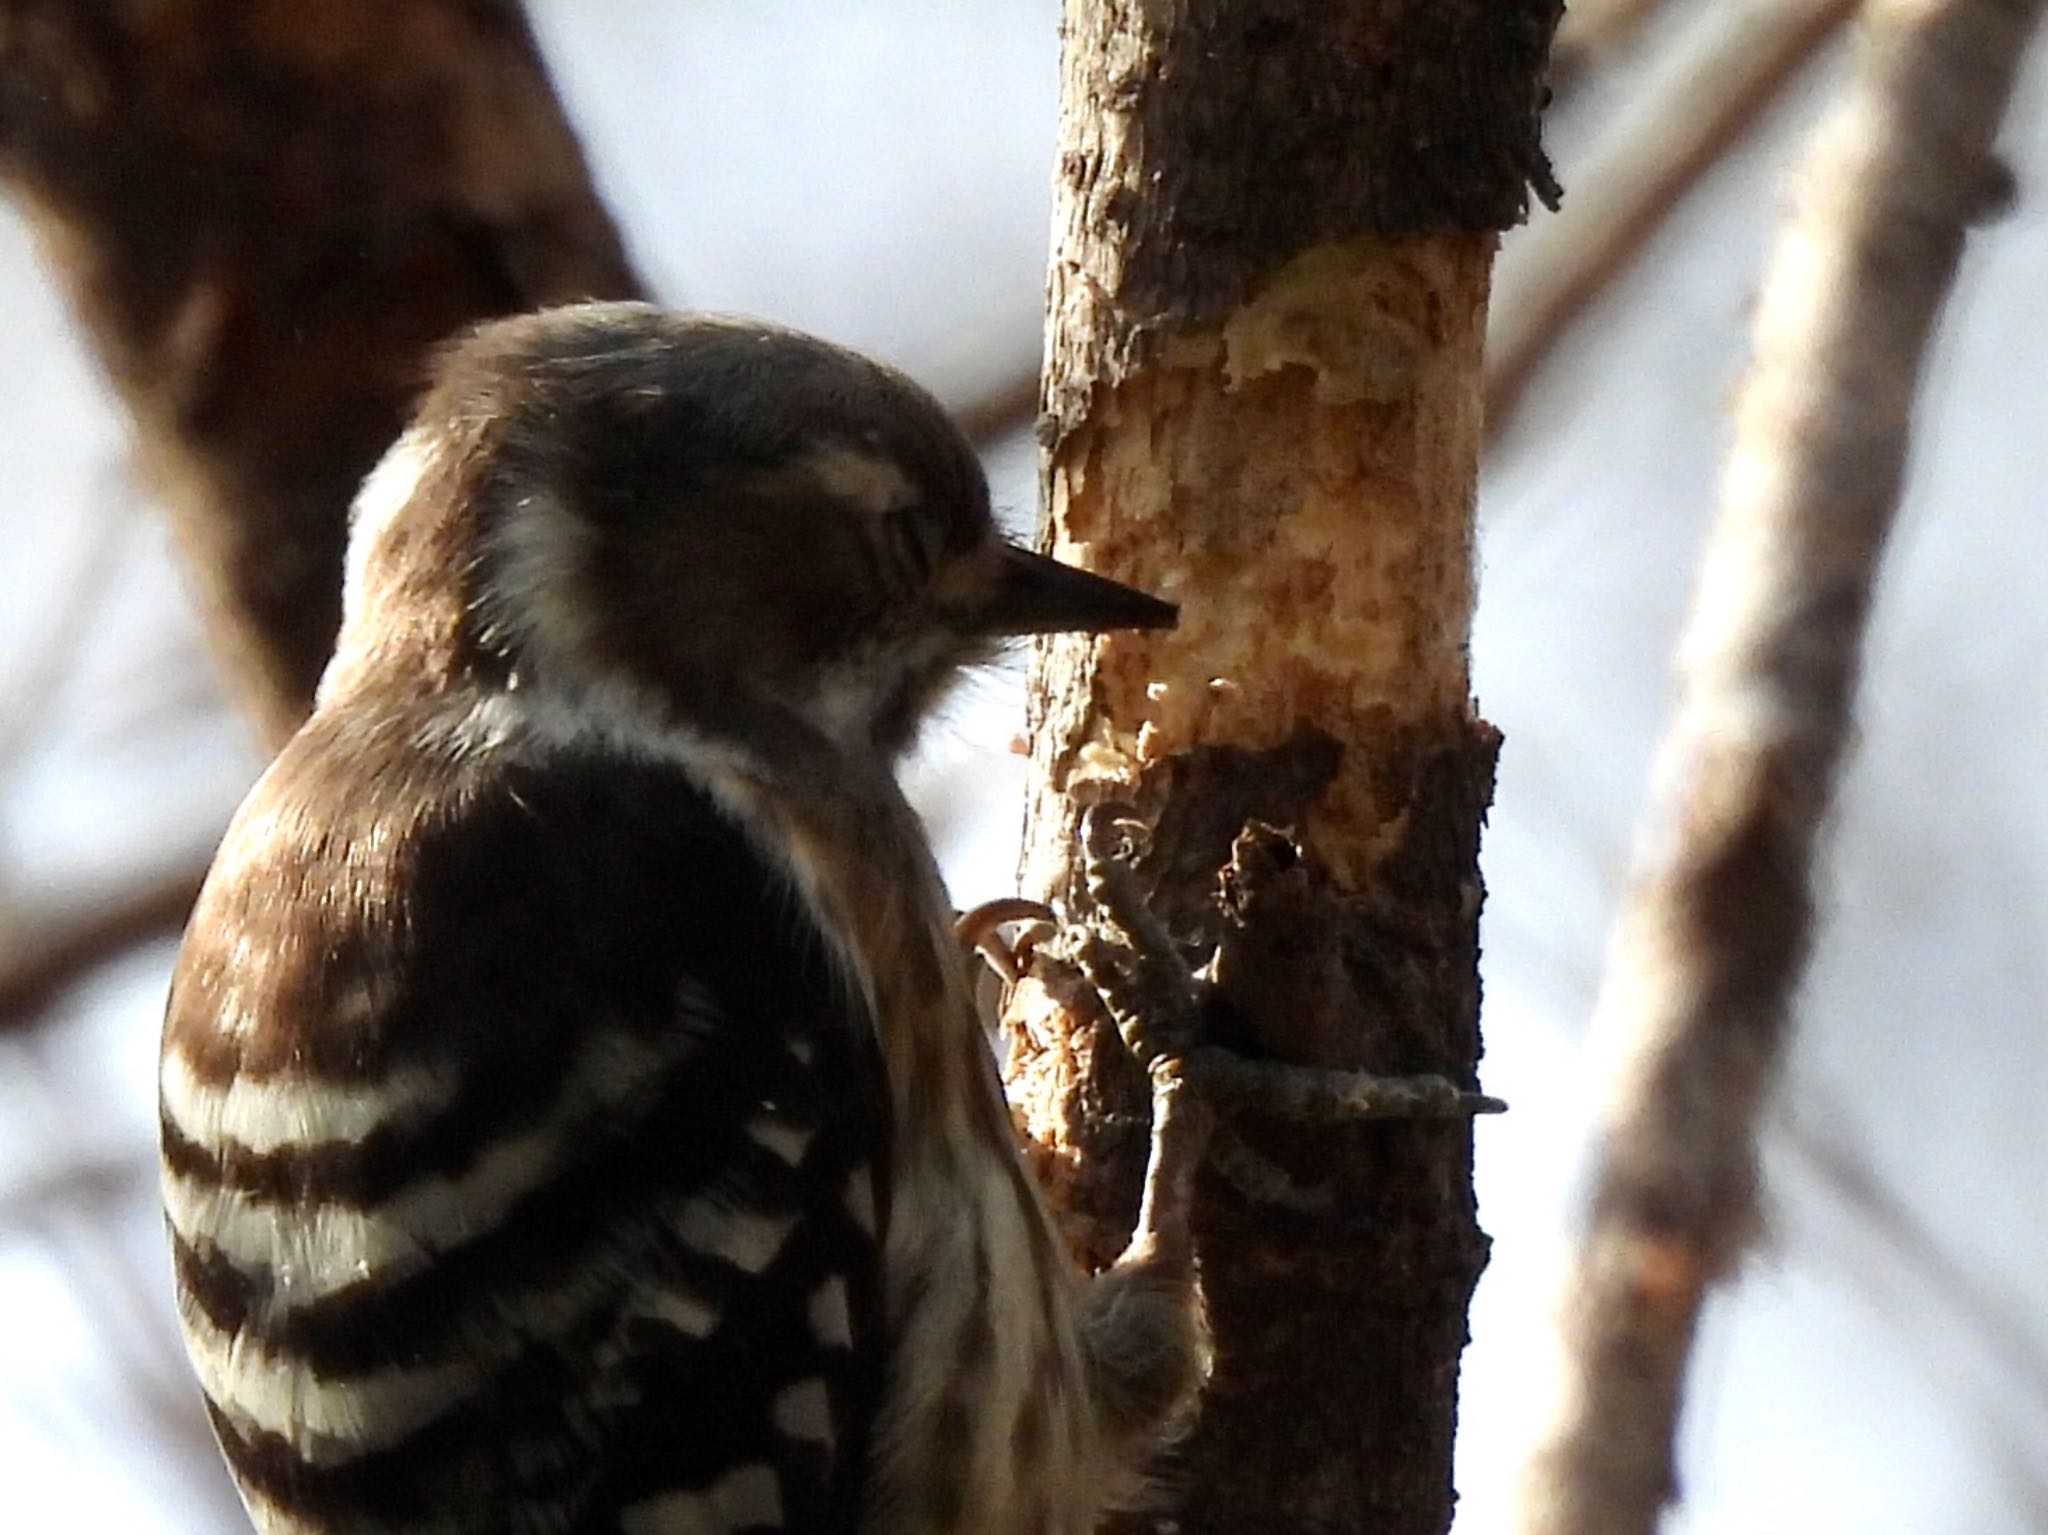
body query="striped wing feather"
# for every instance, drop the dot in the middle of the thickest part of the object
(521, 1150)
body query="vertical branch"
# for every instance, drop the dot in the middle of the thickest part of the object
(1275, 225)
(1698, 992)
(266, 211)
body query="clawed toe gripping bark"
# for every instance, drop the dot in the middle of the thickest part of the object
(980, 931)
(1159, 1004)
(1145, 1342)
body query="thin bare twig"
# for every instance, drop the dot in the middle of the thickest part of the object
(1912, 1272)
(1698, 991)
(1713, 93)
(1005, 406)
(1913, 1252)
(39, 964)
(40, 677)
(1591, 31)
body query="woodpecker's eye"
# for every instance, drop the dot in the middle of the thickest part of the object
(918, 536)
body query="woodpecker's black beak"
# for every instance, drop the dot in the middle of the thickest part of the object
(1036, 595)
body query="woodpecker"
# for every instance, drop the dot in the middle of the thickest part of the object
(574, 1111)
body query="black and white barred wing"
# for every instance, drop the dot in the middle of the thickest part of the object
(548, 1206)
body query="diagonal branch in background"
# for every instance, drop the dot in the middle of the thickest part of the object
(1721, 81)
(1910, 1274)
(265, 213)
(43, 955)
(1698, 995)
(1911, 1253)
(1593, 30)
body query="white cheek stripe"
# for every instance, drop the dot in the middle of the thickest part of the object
(386, 492)
(610, 715)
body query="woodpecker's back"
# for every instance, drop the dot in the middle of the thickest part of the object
(574, 1117)
(522, 1152)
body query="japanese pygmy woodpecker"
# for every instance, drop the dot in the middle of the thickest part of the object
(575, 1115)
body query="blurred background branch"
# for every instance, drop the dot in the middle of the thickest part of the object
(264, 214)
(1696, 1007)
(1708, 91)
(1592, 33)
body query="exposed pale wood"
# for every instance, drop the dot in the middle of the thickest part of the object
(1274, 227)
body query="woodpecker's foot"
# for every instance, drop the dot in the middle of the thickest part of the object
(1142, 1327)
(980, 931)
(1182, 1127)
(1311, 1093)
(1130, 959)
(1158, 1004)
(995, 962)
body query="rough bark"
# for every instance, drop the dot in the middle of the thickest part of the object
(1275, 224)
(1697, 1003)
(266, 212)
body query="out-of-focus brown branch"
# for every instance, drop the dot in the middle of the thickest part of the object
(1003, 407)
(39, 958)
(1714, 92)
(266, 212)
(1590, 31)
(1717, 930)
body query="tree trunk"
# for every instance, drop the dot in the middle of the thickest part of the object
(266, 213)
(1275, 225)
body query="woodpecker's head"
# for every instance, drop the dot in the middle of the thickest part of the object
(734, 521)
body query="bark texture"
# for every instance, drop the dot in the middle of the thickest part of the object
(1697, 1003)
(266, 212)
(1275, 225)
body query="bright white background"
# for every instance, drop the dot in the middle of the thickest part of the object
(880, 173)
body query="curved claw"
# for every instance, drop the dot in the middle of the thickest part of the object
(980, 929)
(1126, 953)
